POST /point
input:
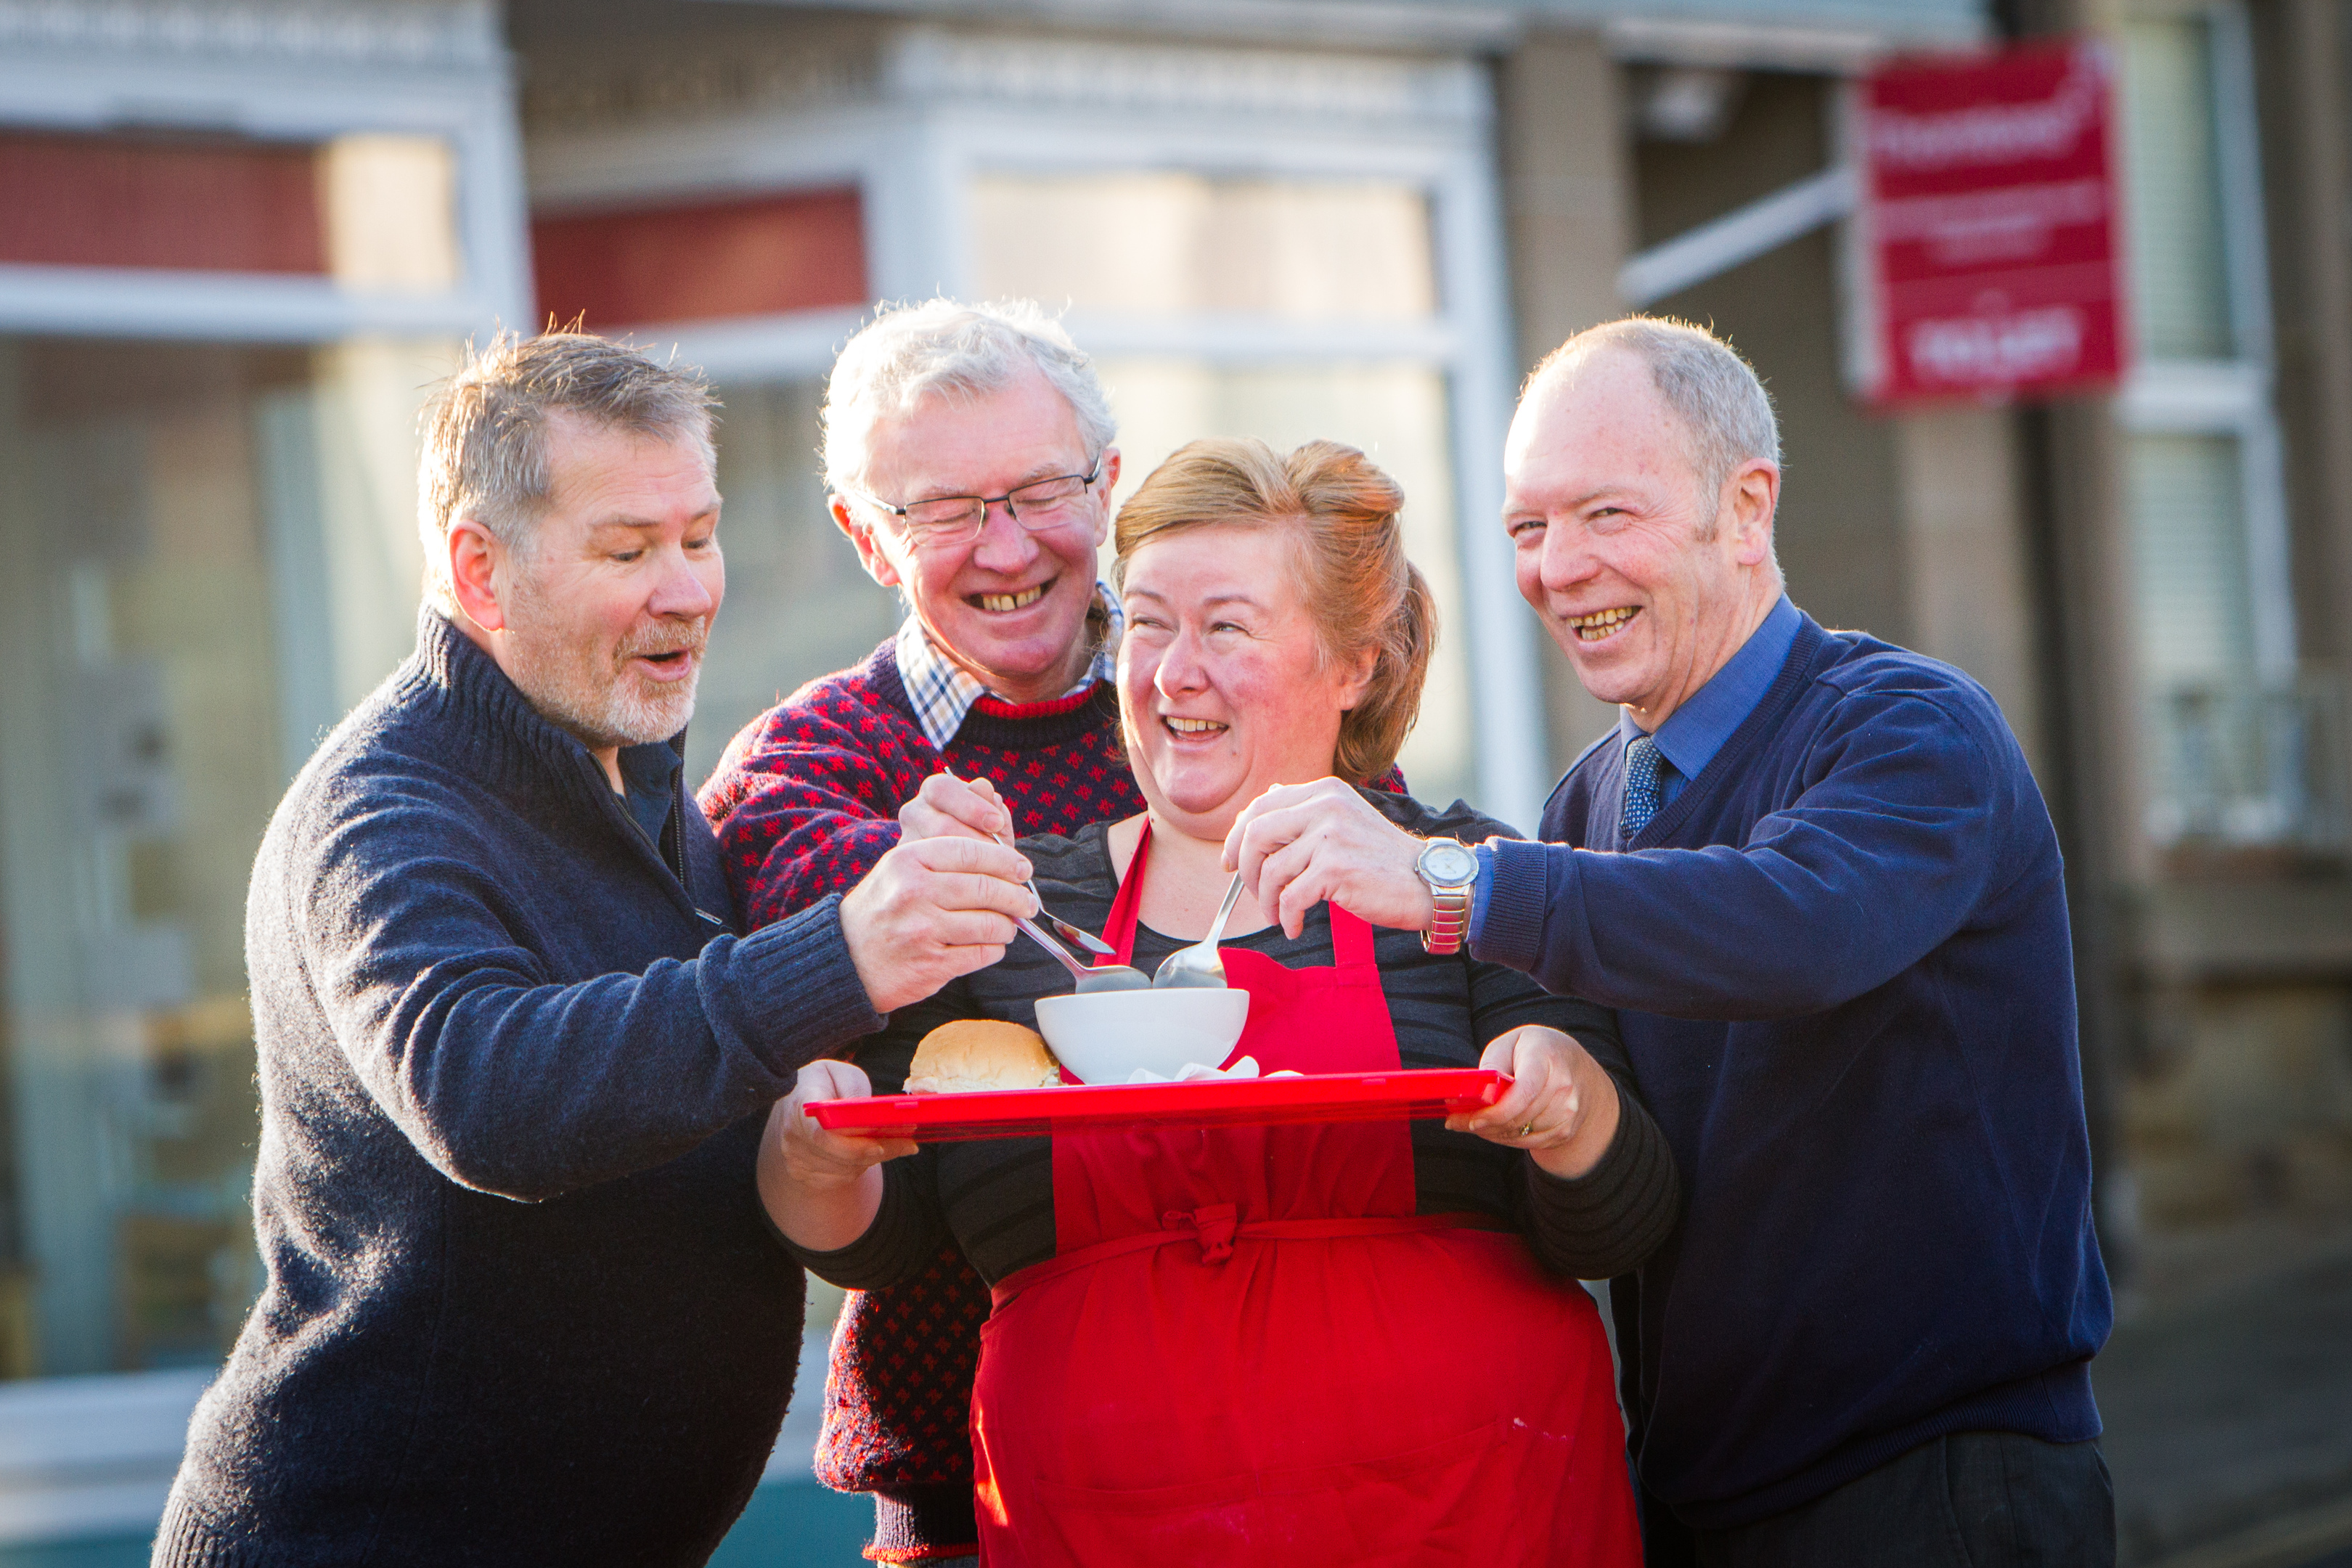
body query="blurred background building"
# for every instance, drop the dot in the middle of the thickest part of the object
(237, 238)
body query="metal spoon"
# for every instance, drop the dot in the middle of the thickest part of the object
(1199, 963)
(1084, 938)
(1092, 943)
(1102, 977)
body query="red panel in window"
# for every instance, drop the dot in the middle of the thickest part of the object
(207, 206)
(701, 262)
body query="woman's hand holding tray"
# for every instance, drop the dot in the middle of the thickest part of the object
(1424, 1094)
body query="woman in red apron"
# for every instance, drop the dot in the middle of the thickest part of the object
(1249, 1348)
(1265, 1346)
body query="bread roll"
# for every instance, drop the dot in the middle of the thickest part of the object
(974, 1053)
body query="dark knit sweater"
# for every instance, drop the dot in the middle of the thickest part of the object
(522, 1305)
(806, 800)
(806, 797)
(997, 1196)
(1841, 963)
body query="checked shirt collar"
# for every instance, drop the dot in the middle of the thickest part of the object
(942, 692)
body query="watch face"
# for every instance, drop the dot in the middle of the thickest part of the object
(1448, 864)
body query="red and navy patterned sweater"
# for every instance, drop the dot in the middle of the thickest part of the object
(805, 801)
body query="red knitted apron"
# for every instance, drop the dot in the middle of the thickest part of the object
(1250, 1350)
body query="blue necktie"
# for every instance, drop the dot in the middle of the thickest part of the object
(1642, 794)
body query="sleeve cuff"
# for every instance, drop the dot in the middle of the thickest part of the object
(1609, 1220)
(1506, 920)
(894, 1246)
(805, 988)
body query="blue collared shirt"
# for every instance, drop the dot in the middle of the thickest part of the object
(1694, 732)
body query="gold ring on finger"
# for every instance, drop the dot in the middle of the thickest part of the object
(1526, 1129)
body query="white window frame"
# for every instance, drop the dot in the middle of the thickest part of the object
(2234, 397)
(950, 104)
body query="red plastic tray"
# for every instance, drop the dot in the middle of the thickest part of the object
(1203, 1103)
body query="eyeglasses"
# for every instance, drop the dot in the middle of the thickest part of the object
(958, 520)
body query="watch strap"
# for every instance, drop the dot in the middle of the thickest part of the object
(1449, 925)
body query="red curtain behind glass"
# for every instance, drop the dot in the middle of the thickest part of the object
(188, 205)
(763, 256)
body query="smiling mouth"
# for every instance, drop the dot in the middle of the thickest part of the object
(1191, 727)
(1002, 604)
(1601, 624)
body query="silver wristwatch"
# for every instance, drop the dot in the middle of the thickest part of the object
(1450, 870)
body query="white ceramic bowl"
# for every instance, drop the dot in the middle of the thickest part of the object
(1104, 1037)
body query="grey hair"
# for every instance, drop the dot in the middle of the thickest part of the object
(485, 431)
(1726, 415)
(908, 353)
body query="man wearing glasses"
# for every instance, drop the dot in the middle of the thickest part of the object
(968, 454)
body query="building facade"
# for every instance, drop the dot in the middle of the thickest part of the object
(242, 238)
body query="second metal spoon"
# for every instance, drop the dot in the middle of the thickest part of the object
(1199, 963)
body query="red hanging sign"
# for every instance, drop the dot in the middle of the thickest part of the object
(1991, 226)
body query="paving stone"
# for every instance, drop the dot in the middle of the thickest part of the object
(2232, 1411)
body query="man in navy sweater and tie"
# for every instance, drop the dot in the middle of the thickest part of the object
(1812, 872)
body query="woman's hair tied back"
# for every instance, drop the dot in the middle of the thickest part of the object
(1344, 514)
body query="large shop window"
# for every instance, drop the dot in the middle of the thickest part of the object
(211, 554)
(1165, 244)
(2243, 744)
(1283, 308)
(1289, 309)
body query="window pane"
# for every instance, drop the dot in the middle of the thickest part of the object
(227, 204)
(1165, 244)
(798, 604)
(376, 213)
(391, 211)
(2179, 281)
(2221, 750)
(140, 759)
(212, 555)
(2188, 555)
(702, 260)
(1398, 415)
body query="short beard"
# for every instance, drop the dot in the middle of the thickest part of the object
(590, 693)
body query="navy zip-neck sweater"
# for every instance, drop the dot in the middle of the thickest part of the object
(1842, 971)
(522, 1305)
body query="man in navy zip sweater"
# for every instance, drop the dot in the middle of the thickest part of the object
(1814, 874)
(521, 1304)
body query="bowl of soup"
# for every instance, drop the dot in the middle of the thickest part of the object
(1105, 1036)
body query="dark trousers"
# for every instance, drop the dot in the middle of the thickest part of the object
(1974, 1500)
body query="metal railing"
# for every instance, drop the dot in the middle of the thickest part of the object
(2258, 765)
